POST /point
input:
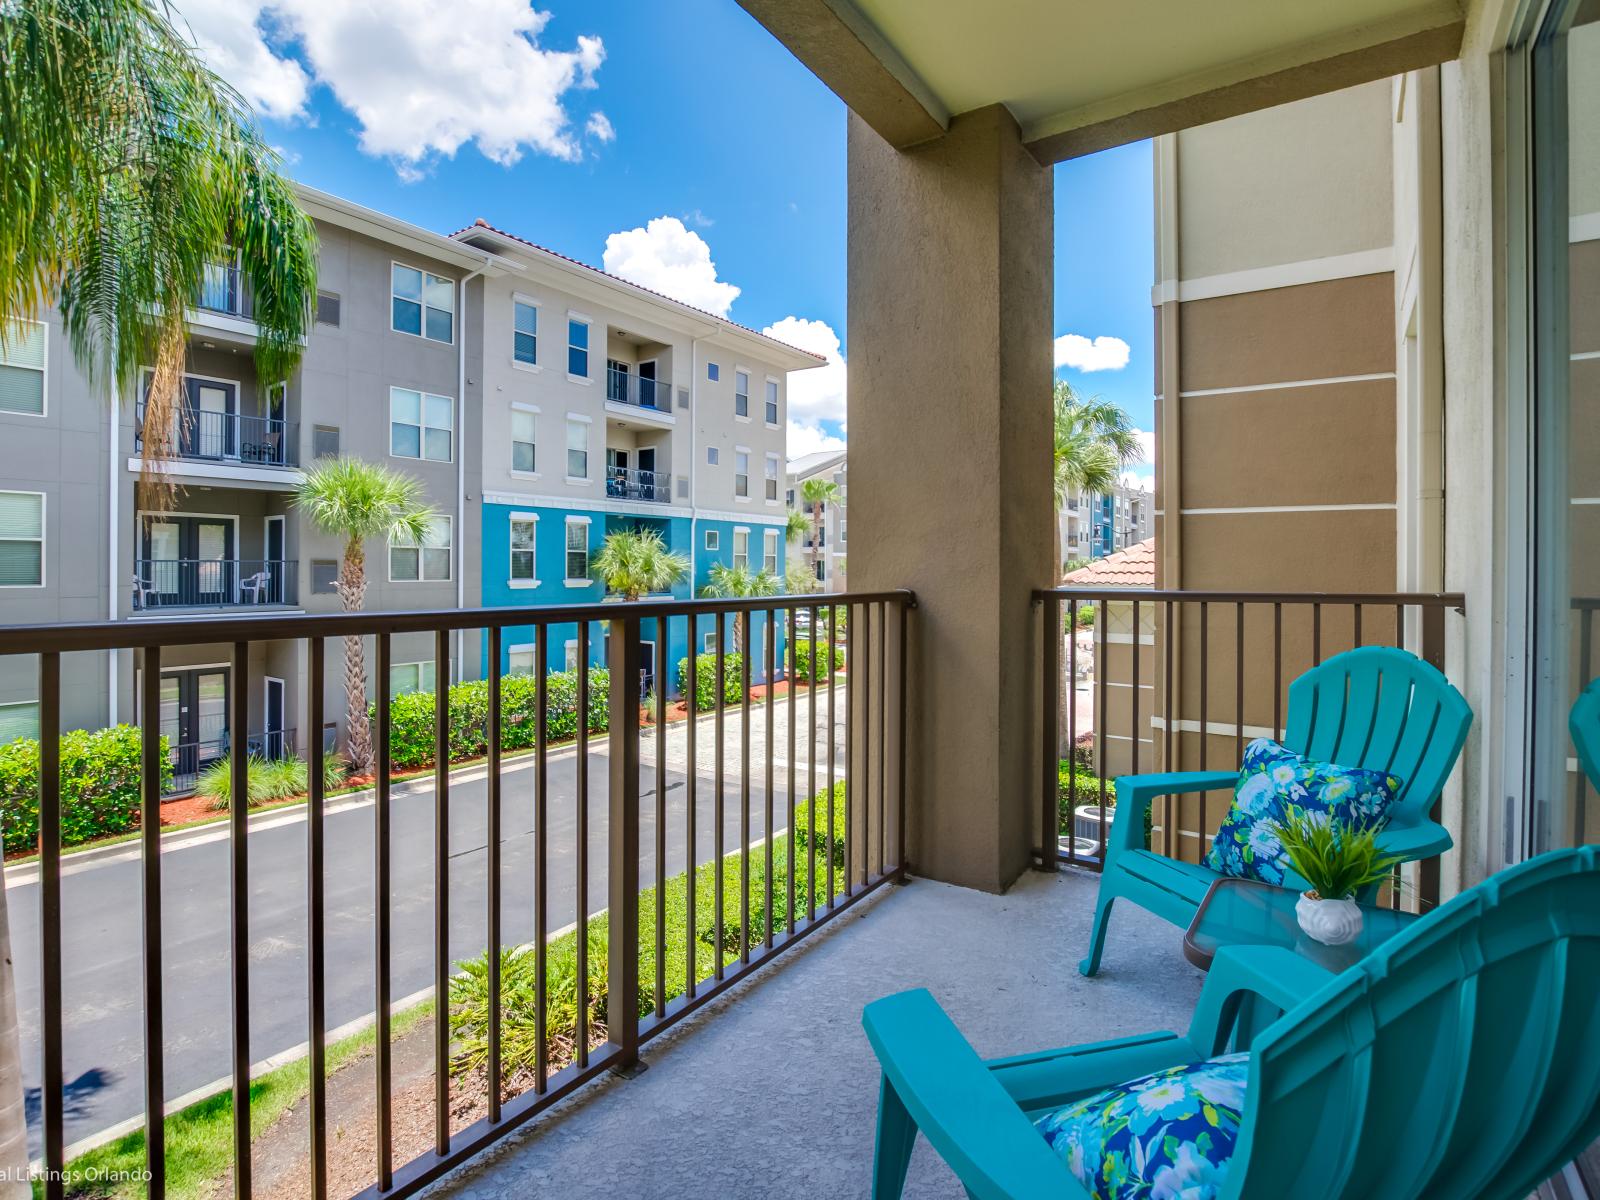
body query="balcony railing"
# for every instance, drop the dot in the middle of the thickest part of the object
(625, 484)
(162, 583)
(710, 846)
(211, 744)
(207, 436)
(1158, 680)
(624, 387)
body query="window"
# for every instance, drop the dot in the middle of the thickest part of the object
(741, 393)
(420, 425)
(741, 548)
(324, 577)
(425, 563)
(769, 551)
(328, 309)
(741, 474)
(772, 402)
(842, 530)
(423, 303)
(20, 720)
(524, 528)
(524, 332)
(711, 456)
(522, 455)
(713, 539)
(822, 570)
(521, 660)
(405, 678)
(790, 495)
(22, 350)
(577, 551)
(772, 477)
(569, 656)
(577, 449)
(578, 348)
(709, 643)
(713, 372)
(21, 539)
(324, 441)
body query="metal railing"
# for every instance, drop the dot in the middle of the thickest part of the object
(624, 387)
(189, 759)
(763, 801)
(623, 483)
(207, 436)
(1167, 680)
(160, 583)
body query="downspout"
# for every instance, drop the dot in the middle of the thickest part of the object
(113, 540)
(459, 534)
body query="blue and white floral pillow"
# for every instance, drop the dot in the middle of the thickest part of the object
(1274, 779)
(1166, 1136)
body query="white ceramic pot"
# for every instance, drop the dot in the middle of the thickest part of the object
(1331, 922)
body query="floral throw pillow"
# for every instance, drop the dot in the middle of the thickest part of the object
(1274, 779)
(1167, 1136)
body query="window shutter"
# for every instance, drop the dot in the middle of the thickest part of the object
(324, 577)
(328, 309)
(325, 441)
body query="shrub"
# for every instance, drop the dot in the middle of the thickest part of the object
(1085, 616)
(804, 668)
(1088, 792)
(705, 685)
(99, 785)
(469, 990)
(411, 724)
(267, 779)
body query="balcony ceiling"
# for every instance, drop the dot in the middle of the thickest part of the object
(1079, 77)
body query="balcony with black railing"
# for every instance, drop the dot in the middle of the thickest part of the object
(206, 435)
(166, 584)
(637, 391)
(654, 487)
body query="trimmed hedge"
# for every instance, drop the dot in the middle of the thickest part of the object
(469, 990)
(804, 668)
(411, 724)
(705, 686)
(99, 786)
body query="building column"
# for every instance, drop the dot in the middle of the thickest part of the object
(950, 275)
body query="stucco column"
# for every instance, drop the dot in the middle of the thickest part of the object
(950, 269)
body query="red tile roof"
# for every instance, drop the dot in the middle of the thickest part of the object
(480, 223)
(1132, 567)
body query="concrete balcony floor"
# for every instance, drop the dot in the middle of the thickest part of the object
(772, 1090)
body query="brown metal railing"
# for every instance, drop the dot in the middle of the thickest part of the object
(1218, 666)
(869, 695)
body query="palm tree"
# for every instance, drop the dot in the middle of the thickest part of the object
(635, 563)
(1094, 440)
(817, 493)
(357, 500)
(795, 524)
(126, 169)
(725, 582)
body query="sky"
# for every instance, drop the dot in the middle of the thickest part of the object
(673, 143)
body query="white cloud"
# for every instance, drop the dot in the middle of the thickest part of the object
(672, 259)
(421, 78)
(816, 394)
(697, 218)
(600, 127)
(1080, 353)
(806, 439)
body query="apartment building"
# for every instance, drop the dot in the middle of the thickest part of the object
(606, 407)
(1095, 524)
(427, 355)
(830, 556)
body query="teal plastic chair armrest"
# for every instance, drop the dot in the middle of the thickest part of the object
(1281, 977)
(1420, 839)
(954, 1099)
(1135, 792)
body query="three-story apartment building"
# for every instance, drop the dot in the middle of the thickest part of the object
(541, 404)
(831, 551)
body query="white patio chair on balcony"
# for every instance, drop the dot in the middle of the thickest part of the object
(143, 593)
(254, 589)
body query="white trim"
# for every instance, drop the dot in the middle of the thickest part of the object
(648, 415)
(583, 417)
(579, 521)
(531, 476)
(1280, 508)
(44, 539)
(43, 369)
(584, 504)
(524, 406)
(578, 583)
(1287, 383)
(574, 315)
(1143, 687)
(1585, 355)
(1213, 728)
(518, 585)
(512, 518)
(1280, 275)
(1586, 499)
(579, 379)
(713, 533)
(1585, 227)
(741, 529)
(1125, 639)
(531, 368)
(579, 481)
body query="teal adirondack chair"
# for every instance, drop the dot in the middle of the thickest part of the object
(1584, 725)
(1376, 706)
(1461, 1058)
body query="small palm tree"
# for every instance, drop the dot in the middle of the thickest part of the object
(357, 500)
(635, 563)
(1094, 440)
(728, 583)
(127, 168)
(817, 493)
(795, 525)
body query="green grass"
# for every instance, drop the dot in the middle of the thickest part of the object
(200, 1137)
(469, 991)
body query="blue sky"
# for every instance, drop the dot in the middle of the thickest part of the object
(676, 143)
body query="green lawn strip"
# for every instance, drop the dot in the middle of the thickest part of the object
(200, 1137)
(469, 990)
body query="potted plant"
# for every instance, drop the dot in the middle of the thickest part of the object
(1337, 860)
